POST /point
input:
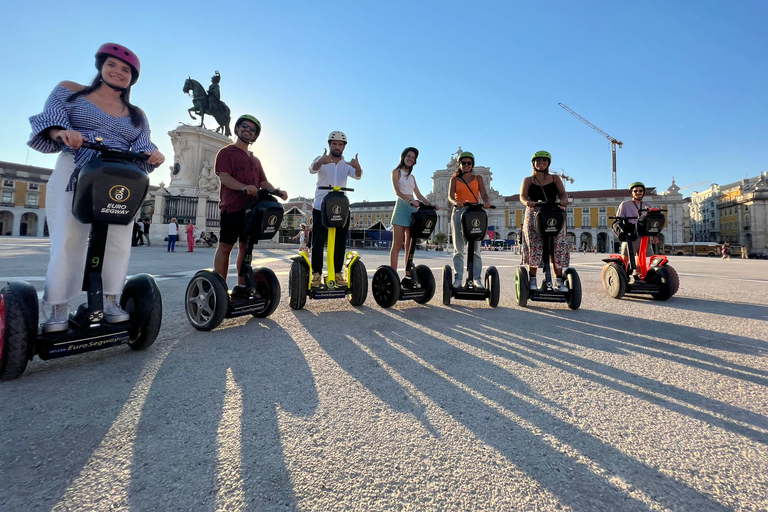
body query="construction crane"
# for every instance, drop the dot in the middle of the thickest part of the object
(614, 142)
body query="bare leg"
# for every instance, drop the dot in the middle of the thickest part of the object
(398, 234)
(221, 259)
(240, 256)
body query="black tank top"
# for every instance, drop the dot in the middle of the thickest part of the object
(535, 192)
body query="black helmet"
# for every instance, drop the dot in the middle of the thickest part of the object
(405, 152)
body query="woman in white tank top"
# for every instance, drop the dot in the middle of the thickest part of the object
(405, 188)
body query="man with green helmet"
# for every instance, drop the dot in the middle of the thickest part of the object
(635, 208)
(241, 176)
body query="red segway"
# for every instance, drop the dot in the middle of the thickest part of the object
(639, 274)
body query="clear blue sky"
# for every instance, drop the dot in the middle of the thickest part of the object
(682, 84)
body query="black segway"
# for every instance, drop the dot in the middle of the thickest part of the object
(420, 287)
(638, 274)
(110, 190)
(335, 214)
(550, 219)
(474, 222)
(208, 300)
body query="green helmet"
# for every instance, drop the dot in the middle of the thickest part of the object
(466, 154)
(541, 154)
(248, 117)
(637, 184)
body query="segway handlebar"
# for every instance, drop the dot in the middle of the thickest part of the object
(425, 206)
(641, 210)
(343, 189)
(480, 204)
(100, 146)
(272, 191)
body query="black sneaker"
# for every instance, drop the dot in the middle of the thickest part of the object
(407, 282)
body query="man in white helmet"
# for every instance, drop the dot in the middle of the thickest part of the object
(332, 170)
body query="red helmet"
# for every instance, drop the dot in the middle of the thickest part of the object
(122, 53)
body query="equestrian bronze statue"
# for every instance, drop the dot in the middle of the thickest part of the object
(208, 103)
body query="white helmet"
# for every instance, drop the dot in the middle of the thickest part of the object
(337, 136)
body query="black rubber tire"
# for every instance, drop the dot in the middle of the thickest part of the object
(615, 280)
(521, 286)
(298, 284)
(268, 287)
(358, 276)
(141, 294)
(447, 282)
(573, 282)
(385, 286)
(427, 282)
(14, 338)
(493, 285)
(206, 300)
(664, 280)
(674, 277)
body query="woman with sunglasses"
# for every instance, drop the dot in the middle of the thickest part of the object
(636, 207)
(542, 186)
(465, 187)
(72, 114)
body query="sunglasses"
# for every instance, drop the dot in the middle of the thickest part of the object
(251, 128)
(466, 162)
(638, 191)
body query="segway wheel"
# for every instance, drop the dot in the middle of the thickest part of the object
(268, 287)
(615, 280)
(206, 300)
(14, 334)
(427, 281)
(674, 277)
(142, 300)
(493, 286)
(385, 286)
(572, 280)
(447, 278)
(663, 279)
(358, 276)
(298, 284)
(521, 286)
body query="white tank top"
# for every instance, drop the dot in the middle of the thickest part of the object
(406, 182)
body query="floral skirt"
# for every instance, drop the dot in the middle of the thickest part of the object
(533, 248)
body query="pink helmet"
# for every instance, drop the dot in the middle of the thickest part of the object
(122, 53)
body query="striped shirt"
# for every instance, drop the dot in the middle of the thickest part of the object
(92, 122)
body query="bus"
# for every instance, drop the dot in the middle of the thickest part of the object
(686, 249)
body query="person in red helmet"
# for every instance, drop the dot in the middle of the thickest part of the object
(74, 113)
(241, 176)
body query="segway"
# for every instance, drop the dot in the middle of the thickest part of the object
(638, 274)
(335, 214)
(550, 219)
(110, 189)
(474, 222)
(420, 286)
(209, 301)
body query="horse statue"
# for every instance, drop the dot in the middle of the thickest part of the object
(202, 104)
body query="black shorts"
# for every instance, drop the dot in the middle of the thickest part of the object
(232, 227)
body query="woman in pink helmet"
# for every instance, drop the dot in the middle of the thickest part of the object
(74, 113)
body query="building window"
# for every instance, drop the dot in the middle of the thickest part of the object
(571, 223)
(8, 183)
(585, 221)
(569, 210)
(603, 220)
(34, 186)
(602, 209)
(7, 197)
(32, 200)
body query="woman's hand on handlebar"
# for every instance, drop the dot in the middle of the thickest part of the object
(155, 157)
(71, 138)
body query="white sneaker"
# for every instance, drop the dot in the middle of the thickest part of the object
(560, 285)
(532, 284)
(59, 319)
(478, 283)
(113, 313)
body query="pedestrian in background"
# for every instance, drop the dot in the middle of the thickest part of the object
(190, 236)
(173, 234)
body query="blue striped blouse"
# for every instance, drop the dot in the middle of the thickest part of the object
(89, 120)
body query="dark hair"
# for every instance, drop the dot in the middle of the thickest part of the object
(137, 116)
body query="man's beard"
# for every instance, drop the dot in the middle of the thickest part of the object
(336, 153)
